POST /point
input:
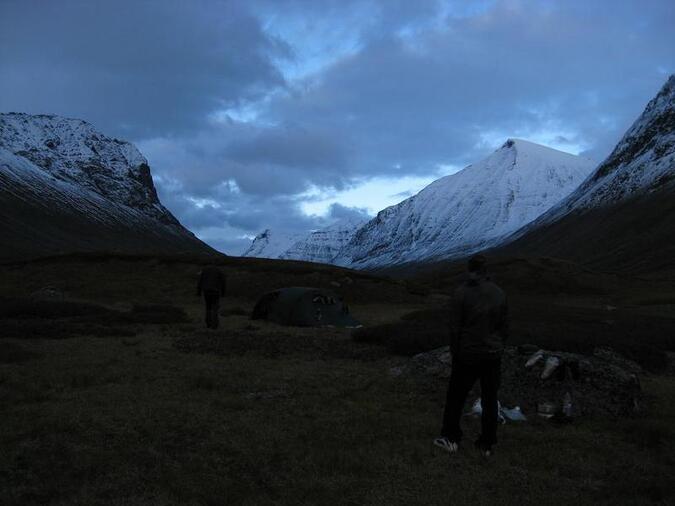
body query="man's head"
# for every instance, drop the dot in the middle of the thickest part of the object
(477, 265)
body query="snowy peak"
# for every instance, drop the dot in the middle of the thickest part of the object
(323, 245)
(470, 210)
(320, 246)
(73, 151)
(620, 218)
(65, 187)
(647, 134)
(455, 215)
(271, 244)
(644, 159)
(527, 148)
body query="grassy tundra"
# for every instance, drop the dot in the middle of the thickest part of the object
(113, 393)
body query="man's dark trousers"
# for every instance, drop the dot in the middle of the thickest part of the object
(212, 300)
(464, 375)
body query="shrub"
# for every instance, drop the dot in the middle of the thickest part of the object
(417, 332)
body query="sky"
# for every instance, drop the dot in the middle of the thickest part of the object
(293, 114)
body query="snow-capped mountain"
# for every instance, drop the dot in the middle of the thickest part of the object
(620, 217)
(66, 187)
(642, 161)
(323, 245)
(271, 244)
(470, 210)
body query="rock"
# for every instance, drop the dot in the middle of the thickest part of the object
(613, 357)
(527, 348)
(395, 372)
(437, 362)
(602, 384)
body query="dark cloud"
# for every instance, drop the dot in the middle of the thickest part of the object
(300, 147)
(134, 68)
(257, 160)
(517, 68)
(339, 212)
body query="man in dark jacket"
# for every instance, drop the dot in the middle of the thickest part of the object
(212, 285)
(479, 330)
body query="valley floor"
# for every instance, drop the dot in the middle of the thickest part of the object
(255, 413)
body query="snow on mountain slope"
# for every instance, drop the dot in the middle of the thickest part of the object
(269, 244)
(72, 150)
(642, 161)
(64, 187)
(620, 218)
(323, 245)
(470, 210)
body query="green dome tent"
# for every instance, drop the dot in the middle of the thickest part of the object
(304, 307)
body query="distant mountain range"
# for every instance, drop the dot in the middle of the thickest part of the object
(270, 244)
(325, 244)
(65, 187)
(320, 246)
(468, 211)
(453, 216)
(528, 200)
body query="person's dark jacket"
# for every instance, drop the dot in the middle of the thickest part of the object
(211, 280)
(480, 320)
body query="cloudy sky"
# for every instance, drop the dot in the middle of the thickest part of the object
(291, 114)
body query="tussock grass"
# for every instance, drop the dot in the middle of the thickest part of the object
(235, 311)
(27, 308)
(102, 424)
(406, 337)
(13, 353)
(263, 414)
(272, 342)
(59, 329)
(60, 319)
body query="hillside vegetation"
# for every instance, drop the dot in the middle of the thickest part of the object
(127, 399)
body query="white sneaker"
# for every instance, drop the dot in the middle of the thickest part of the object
(447, 445)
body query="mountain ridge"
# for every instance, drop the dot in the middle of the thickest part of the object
(437, 223)
(469, 210)
(620, 217)
(66, 187)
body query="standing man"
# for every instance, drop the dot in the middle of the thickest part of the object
(212, 285)
(479, 330)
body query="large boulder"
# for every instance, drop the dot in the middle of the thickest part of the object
(604, 383)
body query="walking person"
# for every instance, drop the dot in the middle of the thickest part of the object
(212, 285)
(479, 330)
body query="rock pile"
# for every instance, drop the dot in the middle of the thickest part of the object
(603, 384)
